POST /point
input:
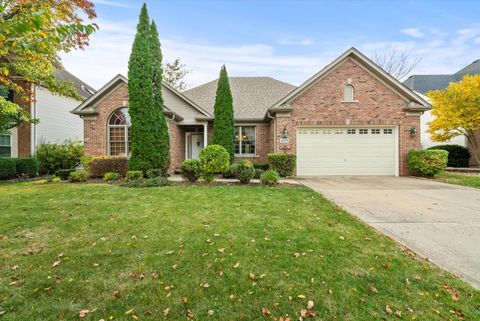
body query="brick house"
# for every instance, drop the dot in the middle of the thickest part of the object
(350, 118)
(56, 123)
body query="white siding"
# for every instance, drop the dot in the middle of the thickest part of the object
(180, 106)
(426, 139)
(57, 124)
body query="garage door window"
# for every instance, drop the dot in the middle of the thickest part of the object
(245, 141)
(363, 131)
(388, 131)
(375, 131)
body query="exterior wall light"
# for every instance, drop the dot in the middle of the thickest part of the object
(413, 131)
(285, 133)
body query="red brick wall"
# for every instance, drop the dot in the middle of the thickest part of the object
(24, 131)
(177, 146)
(377, 104)
(263, 142)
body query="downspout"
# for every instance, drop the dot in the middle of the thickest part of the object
(274, 131)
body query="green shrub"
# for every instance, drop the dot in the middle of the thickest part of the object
(7, 168)
(106, 164)
(213, 159)
(111, 176)
(78, 177)
(86, 161)
(190, 170)
(148, 182)
(458, 156)
(52, 157)
(230, 172)
(258, 172)
(64, 174)
(26, 167)
(244, 171)
(427, 163)
(269, 178)
(133, 175)
(283, 164)
(261, 165)
(151, 173)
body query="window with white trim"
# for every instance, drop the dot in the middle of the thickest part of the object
(5, 146)
(245, 140)
(119, 133)
(349, 93)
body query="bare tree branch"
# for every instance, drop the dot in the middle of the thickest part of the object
(397, 63)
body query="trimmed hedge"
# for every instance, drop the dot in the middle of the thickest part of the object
(78, 177)
(213, 159)
(244, 171)
(156, 172)
(283, 164)
(148, 182)
(26, 167)
(7, 168)
(105, 164)
(111, 176)
(261, 165)
(427, 163)
(458, 156)
(190, 170)
(133, 175)
(64, 174)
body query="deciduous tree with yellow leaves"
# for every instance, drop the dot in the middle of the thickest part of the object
(457, 112)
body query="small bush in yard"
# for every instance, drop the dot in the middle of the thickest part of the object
(283, 164)
(148, 182)
(427, 163)
(64, 174)
(26, 167)
(260, 165)
(458, 156)
(78, 177)
(258, 172)
(244, 171)
(86, 161)
(213, 159)
(7, 168)
(151, 173)
(52, 157)
(190, 170)
(111, 176)
(269, 178)
(230, 172)
(105, 164)
(133, 175)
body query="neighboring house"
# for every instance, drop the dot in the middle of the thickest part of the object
(350, 118)
(426, 83)
(56, 123)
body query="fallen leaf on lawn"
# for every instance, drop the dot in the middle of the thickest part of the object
(130, 311)
(296, 254)
(407, 281)
(417, 277)
(166, 311)
(116, 293)
(342, 238)
(330, 291)
(205, 285)
(174, 266)
(301, 296)
(56, 263)
(83, 313)
(251, 276)
(132, 274)
(310, 304)
(154, 276)
(286, 273)
(134, 317)
(236, 265)
(13, 283)
(221, 250)
(388, 310)
(190, 313)
(266, 312)
(133, 237)
(210, 312)
(185, 300)
(232, 296)
(398, 313)
(170, 252)
(372, 288)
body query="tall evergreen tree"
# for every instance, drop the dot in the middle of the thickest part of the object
(223, 124)
(163, 139)
(143, 113)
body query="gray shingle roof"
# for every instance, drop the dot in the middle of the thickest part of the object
(252, 96)
(425, 83)
(81, 87)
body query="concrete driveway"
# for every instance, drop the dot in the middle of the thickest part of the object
(438, 221)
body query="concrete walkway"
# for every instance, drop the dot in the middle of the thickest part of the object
(438, 221)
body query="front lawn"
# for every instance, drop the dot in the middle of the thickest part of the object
(459, 179)
(91, 252)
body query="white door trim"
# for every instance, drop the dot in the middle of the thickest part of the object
(187, 137)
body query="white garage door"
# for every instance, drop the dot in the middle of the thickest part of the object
(346, 151)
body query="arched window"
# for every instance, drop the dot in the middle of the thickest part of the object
(349, 94)
(119, 133)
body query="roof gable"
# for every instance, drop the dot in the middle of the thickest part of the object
(414, 100)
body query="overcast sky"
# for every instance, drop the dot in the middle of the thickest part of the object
(288, 40)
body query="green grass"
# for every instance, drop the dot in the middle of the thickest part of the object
(296, 243)
(459, 179)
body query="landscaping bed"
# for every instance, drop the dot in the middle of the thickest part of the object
(98, 251)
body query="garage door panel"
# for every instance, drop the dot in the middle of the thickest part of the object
(333, 151)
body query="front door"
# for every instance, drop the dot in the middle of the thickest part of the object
(194, 145)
